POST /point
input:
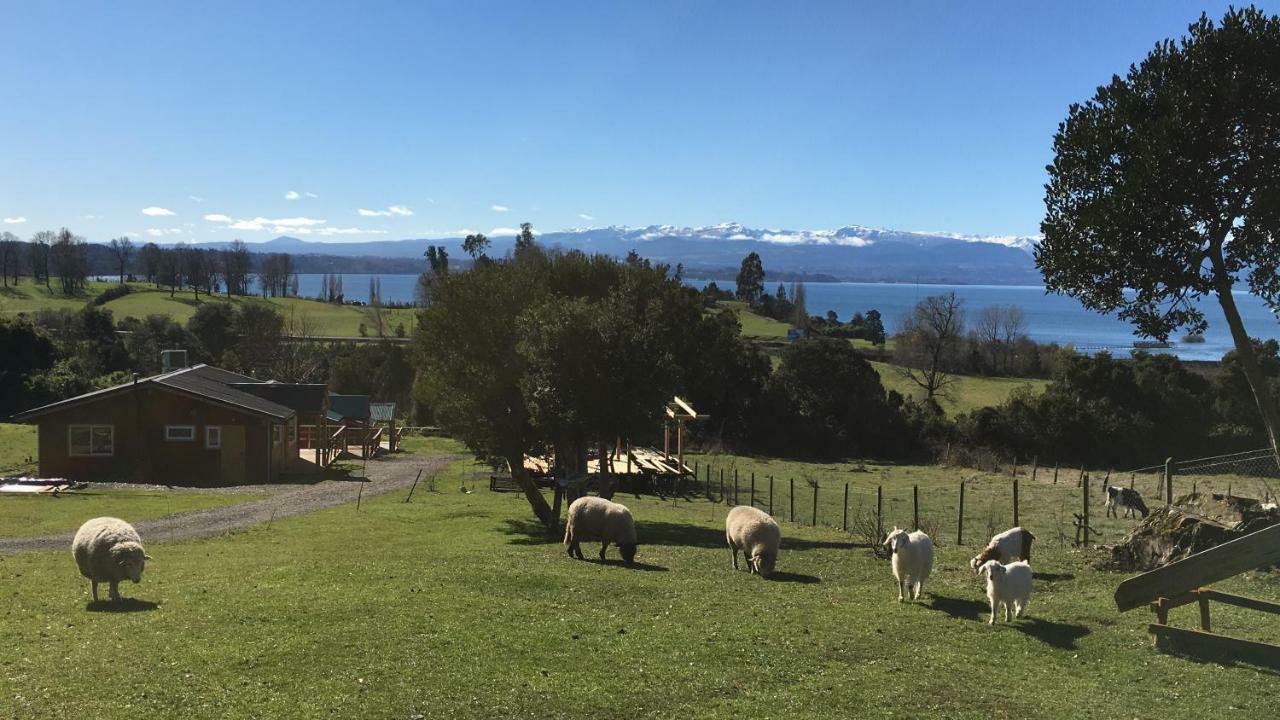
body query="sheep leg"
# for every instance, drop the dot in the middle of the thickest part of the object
(115, 590)
(916, 594)
(603, 547)
(994, 607)
(902, 583)
(733, 552)
(1018, 608)
(1008, 612)
(94, 584)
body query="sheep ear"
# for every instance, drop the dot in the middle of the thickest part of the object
(146, 557)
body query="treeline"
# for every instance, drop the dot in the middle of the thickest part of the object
(56, 354)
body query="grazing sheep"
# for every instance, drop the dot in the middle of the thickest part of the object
(1127, 498)
(757, 535)
(912, 560)
(1012, 544)
(1008, 585)
(594, 518)
(109, 550)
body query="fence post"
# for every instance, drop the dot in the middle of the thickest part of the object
(1015, 466)
(735, 486)
(1080, 482)
(1055, 472)
(1035, 467)
(1015, 503)
(753, 488)
(844, 523)
(771, 495)
(1085, 485)
(879, 512)
(915, 505)
(722, 495)
(1168, 481)
(815, 504)
(792, 497)
(960, 518)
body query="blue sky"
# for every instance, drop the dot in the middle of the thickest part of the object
(478, 116)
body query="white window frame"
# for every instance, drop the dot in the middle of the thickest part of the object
(71, 447)
(168, 433)
(213, 437)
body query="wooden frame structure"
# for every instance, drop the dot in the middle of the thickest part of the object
(1183, 583)
(679, 412)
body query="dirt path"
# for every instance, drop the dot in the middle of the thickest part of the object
(385, 475)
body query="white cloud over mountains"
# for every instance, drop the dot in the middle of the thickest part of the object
(401, 210)
(15, 220)
(499, 208)
(289, 226)
(154, 211)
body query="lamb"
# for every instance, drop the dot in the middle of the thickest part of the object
(1012, 544)
(757, 535)
(1008, 585)
(594, 518)
(912, 560)
(109, 550)
(1128, 498)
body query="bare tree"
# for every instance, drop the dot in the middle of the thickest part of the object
(374, 311)
(121, 249)
(150, 256)
(69, 258)
(927, 342)
(997, 330)
(10, 257)
(235, 268)
(41, 243)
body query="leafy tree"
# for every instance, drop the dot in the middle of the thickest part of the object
(750, 279)
(477, 246)
(150, 258)
(1235, 404)
(211, 325)
(28, 351)
(1163, 188)
(524, 240)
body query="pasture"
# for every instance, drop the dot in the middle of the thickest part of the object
(318, 317)
(457, 605)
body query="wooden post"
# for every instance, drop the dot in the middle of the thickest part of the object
(879, 512)
(680, 446)
(414, 485)
(1085, 514)
(815, 504)
(792, 515)
(1035, 467)
(915, 505)
(666, 440)
(722, 496)
(844, 523)
(770, 495)
(1015, 503)
(960, 518)
(753, 488)
(1204, 614)
(1168, 481)
(1015, 466)
(735, 486)
(1080, 482)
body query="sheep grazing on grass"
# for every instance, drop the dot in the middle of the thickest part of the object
(594, 518)
(757, 535)
(1127, 498)
(912, 560)
(1008, 585)
(109, 550)
(1012, 544)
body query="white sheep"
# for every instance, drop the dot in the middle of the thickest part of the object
(1008, 585)
(109, 550)
(912, 560)
(594, 518)
(757, 535)
(1012, 544)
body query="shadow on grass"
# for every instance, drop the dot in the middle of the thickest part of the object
(1052, 577)
(529, 532)
(959, 608)
(787, 577)
(1060, 635)
(614, 562)
(126, 605)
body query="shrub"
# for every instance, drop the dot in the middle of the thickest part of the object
(114, 292)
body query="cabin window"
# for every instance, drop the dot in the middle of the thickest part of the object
(213, 437)
(180, 433)
(91, 440)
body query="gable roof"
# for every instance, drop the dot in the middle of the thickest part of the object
(350, 406)
(302, 398)
(200, 381)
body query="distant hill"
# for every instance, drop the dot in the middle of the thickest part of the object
(852, 253)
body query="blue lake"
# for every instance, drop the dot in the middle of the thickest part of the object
(1050, 318)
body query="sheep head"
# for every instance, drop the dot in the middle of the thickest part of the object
(628, 552)
(991, 569)
(764, 563)
(130, 558)
(896, 537)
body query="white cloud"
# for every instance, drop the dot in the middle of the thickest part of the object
(219, 218)
(310, 194)
(154, 211)
(246, 225)
(292, 195)
(400, 210)
(195, 198)
(504, 231)
(364, 212)
(585, 216)
(499, 208)
(15, 220)
(90, 217)
(261, 223)
(161, 232)
(349, 231)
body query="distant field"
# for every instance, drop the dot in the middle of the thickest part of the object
(323, 318)
(756, 326)
(17, 443)
(968, 393)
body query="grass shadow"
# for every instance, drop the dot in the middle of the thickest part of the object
(787, 577)
(1060, 635)
(959, 608)
(614, 562)
(1052, 577)
(125, 605)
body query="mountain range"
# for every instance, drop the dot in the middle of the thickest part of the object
(852, 253)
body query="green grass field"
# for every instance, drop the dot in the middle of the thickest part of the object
(968, 393)
(454, 605)
(320, 318)
(35, 515)
(17, 449)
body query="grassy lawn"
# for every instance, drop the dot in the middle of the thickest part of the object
(968, 393)
(32, 516)
(756, 326)
(17, 449)
(454, 605)
(322, 318)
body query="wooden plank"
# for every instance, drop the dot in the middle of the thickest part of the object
(1241, 601)
(1227, 560)
(686, 406)
(1209, 646)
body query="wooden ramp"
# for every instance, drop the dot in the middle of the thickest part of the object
(1183, 583)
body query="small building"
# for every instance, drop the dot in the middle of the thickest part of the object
(350, 410)
(196, 425)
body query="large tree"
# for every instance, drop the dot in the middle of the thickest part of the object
(750, 279)
(1165, 187)
(121, 249)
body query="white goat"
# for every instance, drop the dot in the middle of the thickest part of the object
(912, 560)
(1007, 585)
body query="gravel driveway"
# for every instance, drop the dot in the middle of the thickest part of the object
(385, 475)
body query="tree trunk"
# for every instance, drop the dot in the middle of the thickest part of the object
(1245, 350)
(531, 493)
